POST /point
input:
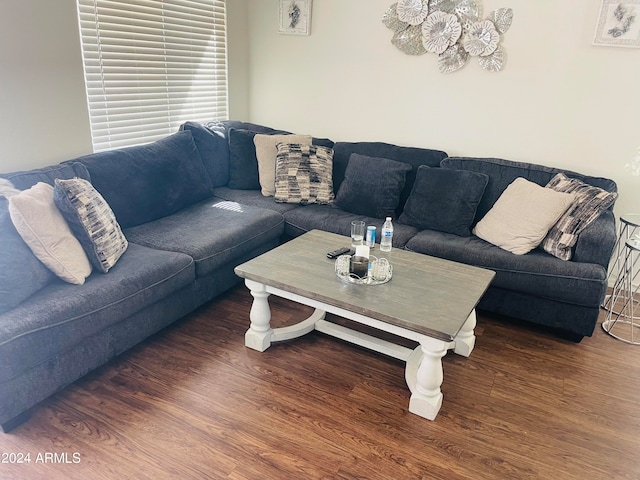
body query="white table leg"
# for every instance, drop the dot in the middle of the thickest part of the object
(258, 337)
(466, 340)
(424, 377)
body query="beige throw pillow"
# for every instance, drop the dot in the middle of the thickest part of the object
(46, 232)
(266, 151)
(522, 216)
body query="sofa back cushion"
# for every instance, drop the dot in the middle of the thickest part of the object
(64, 171)
(151, 181)
(211, 141)
(243, 162)
(411, 155)
(503, 172)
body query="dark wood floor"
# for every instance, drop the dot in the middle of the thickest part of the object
(193, 402)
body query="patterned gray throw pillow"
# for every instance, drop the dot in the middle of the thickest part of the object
(304, 174)
(589, 203)
(92, 222)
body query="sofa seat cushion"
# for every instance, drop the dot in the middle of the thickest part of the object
(62, 315)
(213, 232)
(335, 220)
(253, 198)
(536, 273)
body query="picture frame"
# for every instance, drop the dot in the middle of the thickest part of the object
(295, 17)
(618, 24)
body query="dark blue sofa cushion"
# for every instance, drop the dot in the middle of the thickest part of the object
(212, 143)
(254, 127)
(372, 186)
(63, 171)
(213, 232)
(444, 200)
(537, 273)
(254, 198)
(151, 181)
(413, 156)
(502, 172)
(243, 162)
(21, 273)
(62, 315)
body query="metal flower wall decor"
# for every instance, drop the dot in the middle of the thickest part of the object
(453, 29)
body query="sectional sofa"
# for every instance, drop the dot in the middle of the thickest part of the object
(192, 208)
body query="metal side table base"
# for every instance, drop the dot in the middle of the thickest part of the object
(623, 305)
(629, 225)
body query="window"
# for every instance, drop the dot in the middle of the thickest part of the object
(151, 65)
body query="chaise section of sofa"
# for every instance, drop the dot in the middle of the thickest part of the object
(39, 336)
(183, 244)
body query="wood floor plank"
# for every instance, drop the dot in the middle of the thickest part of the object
(194, 402)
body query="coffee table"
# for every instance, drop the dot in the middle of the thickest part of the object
(429, 300)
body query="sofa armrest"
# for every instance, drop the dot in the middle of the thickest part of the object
(597, 241)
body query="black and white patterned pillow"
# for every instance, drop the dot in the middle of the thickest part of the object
(589, 203)
(304, 174)
(92, 222)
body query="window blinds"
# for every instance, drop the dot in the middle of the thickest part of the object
(151, 65)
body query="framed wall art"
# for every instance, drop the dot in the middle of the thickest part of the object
(618, 24)
(295, 17)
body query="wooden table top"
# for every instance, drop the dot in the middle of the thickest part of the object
(429, 295)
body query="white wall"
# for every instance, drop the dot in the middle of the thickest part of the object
(43, 108)
(560, 101)
(238, 58)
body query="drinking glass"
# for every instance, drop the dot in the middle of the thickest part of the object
(357, 233)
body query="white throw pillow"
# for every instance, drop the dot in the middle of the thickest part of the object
(522, 216)
(46, 232)
(266, 151)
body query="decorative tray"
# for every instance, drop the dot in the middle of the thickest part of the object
(380, 271)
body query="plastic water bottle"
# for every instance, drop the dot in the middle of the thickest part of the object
(386, 236)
